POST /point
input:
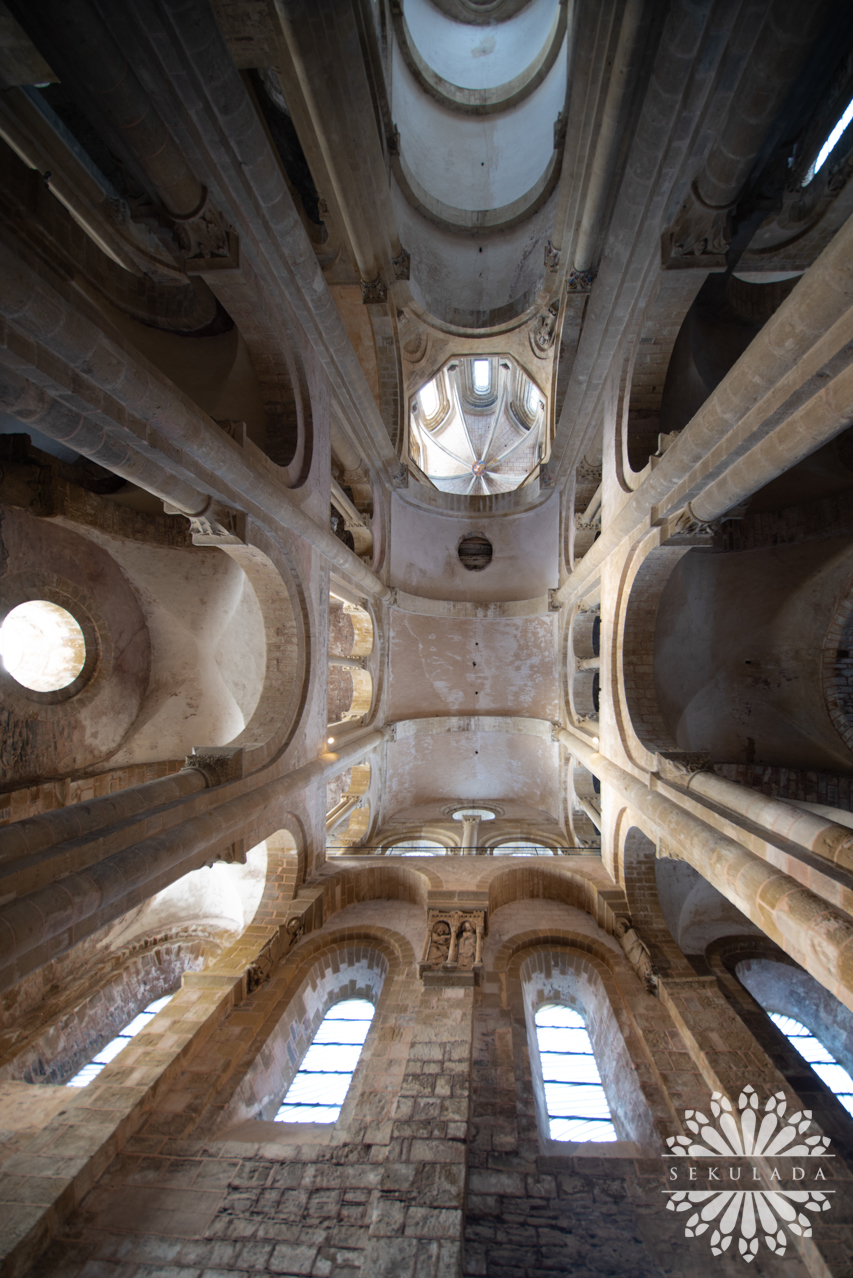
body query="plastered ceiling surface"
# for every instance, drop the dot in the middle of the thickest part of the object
(427, 773)
(448, 665)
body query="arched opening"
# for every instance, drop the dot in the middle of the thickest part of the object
(574, 1096)
(111, 1050)
(350, 683)
(569, 982)
(319, 1089)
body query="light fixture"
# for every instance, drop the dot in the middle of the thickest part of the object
(330, 740)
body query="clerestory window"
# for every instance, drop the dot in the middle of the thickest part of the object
(428, 399)
(812, 1050)
(522, 847)
(418, 847)
(319, 1089)
(481, 376)
(829, 145)
(108, 1053)
(574, 1096)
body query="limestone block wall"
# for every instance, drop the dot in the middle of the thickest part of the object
(440, 1164)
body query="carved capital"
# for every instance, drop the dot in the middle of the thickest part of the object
(401, 263)
(699, 236)
(687, 529)
(580, 281)
(276, 948)
(216, 525)
(544, 330)
(678, 766)
(206, 240)
(587, 473)
(552, 258)
(582, 524)
(218, 764)
(554, 603)
(373, 291)
(234, 429)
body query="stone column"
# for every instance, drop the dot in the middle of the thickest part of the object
(812, 932)
(814, 832)
(46, 923)
(768, 385)
(470, 832)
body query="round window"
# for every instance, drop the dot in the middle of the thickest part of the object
(475, 551)
(42, 646)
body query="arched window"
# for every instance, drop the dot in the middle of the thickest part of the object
(482, 376)
(108, 1053)
(812, 1050)
(830, 144)
(320, 1087)
(522, 847)
(574, 1096)
(417, 847)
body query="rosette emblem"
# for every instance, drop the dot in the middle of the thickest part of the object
(749, 1214)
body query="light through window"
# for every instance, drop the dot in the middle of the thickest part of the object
(428, 399)
(574, 1097)
(42, 646)
(812, 1050)
(318, 1090)
(84, 1076)
(522, 848)
(481, 376)
(830, 144)
(418, 847)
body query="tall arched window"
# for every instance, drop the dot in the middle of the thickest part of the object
(812, 1050)
(320, 1087)
(574, 1096)
(111, 1050)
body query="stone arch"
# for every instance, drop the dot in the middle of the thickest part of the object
(382, 881)
(323, 969)
(645, 577)
(431, 832)
(351, 691)
(54, 1039)
(778, 984)
(54, 734)
(283, 693)
(542, 880)
(579, 973)
(814, 1007)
